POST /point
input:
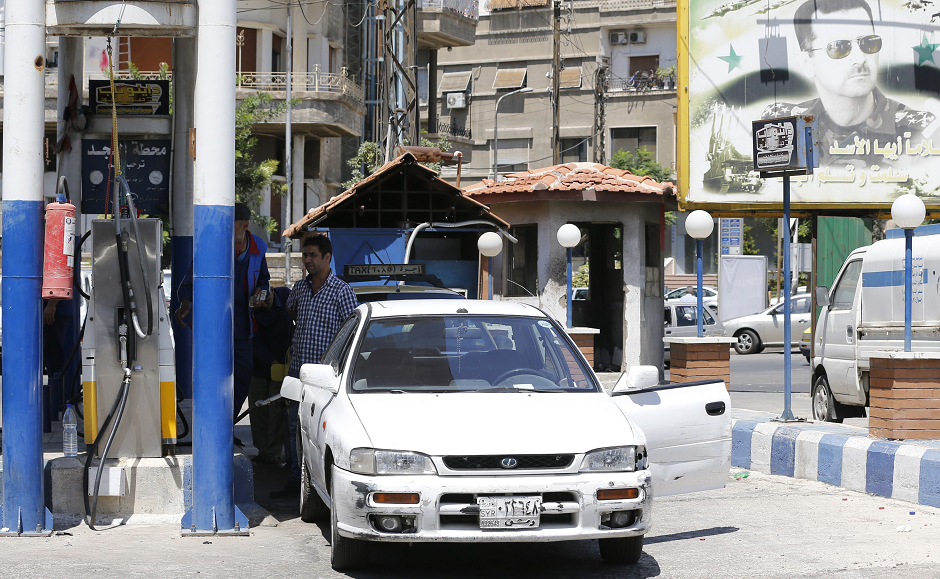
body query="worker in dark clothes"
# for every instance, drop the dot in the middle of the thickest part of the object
(275, 329)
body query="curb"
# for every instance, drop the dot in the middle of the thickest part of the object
(897, 470)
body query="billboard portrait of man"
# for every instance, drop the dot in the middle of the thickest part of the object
(868, 72)
(840, 49)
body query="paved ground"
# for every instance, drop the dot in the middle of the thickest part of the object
(760, 526)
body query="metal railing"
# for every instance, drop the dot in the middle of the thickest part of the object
(454, 130)
(315, 81)
(614, 5)
(466, 8)
(52, 76)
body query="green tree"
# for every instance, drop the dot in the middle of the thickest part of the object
(371, 157)
(641, 163)
(251, 174)
(582, 278)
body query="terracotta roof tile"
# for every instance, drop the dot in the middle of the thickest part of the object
(571, 177)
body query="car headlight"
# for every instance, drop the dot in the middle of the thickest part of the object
(371, 461)
(617, 459)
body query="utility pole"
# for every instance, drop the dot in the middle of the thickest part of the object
(600, 114)
(288, 141)
(556, 81)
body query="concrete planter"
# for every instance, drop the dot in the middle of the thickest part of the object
(695, 359)
(904, 395)
(584, 339)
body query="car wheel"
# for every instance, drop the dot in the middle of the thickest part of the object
(823, 403)
(748, 342)
(622, 550)
(312, 507)
(346, 554)
(808, 361)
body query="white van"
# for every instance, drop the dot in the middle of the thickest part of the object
(853, 323)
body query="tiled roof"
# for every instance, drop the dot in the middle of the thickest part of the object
(316, 214)
(571, 181)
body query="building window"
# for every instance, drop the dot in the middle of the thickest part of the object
(522, 260)
(632, 138)
(454, 82)
(574, 150)
(644, 65)
(513, 156)
(570, 77)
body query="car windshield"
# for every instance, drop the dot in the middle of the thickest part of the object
(468, 354)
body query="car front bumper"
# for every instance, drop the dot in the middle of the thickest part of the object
(447, 508)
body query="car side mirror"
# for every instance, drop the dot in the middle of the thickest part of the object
(637, 378)
(319, 376)
(291, 388)
(822, 296)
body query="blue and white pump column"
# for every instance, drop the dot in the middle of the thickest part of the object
(490, 244)
(569, 236)
(699, 224)
(213, 509)
(24, 511)
(184, 76)
(908, 211)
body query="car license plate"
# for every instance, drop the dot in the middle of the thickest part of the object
(509, 512)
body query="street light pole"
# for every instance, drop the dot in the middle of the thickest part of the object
(908, 211)
(699, 224)
(569, 235)
(496, 128)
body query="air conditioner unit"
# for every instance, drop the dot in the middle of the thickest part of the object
(637, 37)
(618, 38)
(456, 100)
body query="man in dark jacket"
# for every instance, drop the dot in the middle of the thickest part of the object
(273, 335)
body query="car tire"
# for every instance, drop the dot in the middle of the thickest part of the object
(808, 361)
(346, 554)
(621, 550)
(823, 403)
(748, 342)
(312, 507)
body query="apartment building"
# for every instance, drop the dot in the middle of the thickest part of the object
(630, 40)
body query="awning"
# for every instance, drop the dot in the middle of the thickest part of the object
(509, 78)
(454, 82)
(570, 77)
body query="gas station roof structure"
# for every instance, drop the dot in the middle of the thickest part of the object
(400, 194)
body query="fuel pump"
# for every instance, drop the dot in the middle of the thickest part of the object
(128, 372)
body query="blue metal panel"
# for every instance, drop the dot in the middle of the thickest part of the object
(22, 372)
(929, 487)
(459, 274)
(182, 256)
(213, 378)
(366, 246)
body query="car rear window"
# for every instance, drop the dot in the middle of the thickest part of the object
(468, 353)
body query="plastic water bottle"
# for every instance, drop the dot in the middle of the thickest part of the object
(69, 432)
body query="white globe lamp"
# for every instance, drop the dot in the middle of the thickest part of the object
(490, 244)
(569, 235)
(908, 211)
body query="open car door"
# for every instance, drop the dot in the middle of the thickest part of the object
(688, 433)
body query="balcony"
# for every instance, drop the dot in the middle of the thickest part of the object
(444, 23)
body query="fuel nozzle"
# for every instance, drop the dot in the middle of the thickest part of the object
(122, 333)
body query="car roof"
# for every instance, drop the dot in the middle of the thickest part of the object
(387, 309)
(384, 289)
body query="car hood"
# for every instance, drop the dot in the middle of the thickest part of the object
(493, 423)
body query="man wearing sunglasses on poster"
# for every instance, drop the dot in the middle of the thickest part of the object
(840, 47)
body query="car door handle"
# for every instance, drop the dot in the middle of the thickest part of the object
(849, 333)
(715, 408)
(668, 332)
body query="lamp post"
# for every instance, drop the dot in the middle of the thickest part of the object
(699, 224)
(908, 212)
(496, 128)
(490, 244)
(569, 235)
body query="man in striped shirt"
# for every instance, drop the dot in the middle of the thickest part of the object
(319, 304)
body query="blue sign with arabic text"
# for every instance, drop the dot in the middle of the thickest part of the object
(147, 170)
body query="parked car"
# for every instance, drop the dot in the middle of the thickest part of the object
(757, 331)
(708, 292)
(804, 344)
(470, 421)
(680, 320)
(579, 293)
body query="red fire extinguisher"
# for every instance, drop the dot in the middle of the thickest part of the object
(59, 255)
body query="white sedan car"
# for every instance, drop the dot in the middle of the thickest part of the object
(453, 420)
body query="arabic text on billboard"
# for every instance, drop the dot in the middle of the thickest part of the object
(868, 71)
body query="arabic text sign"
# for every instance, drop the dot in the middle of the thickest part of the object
(385, 269)
(133, 97)
(147, 172)
(868, 72)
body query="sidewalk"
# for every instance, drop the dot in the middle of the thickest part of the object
(838, 454)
